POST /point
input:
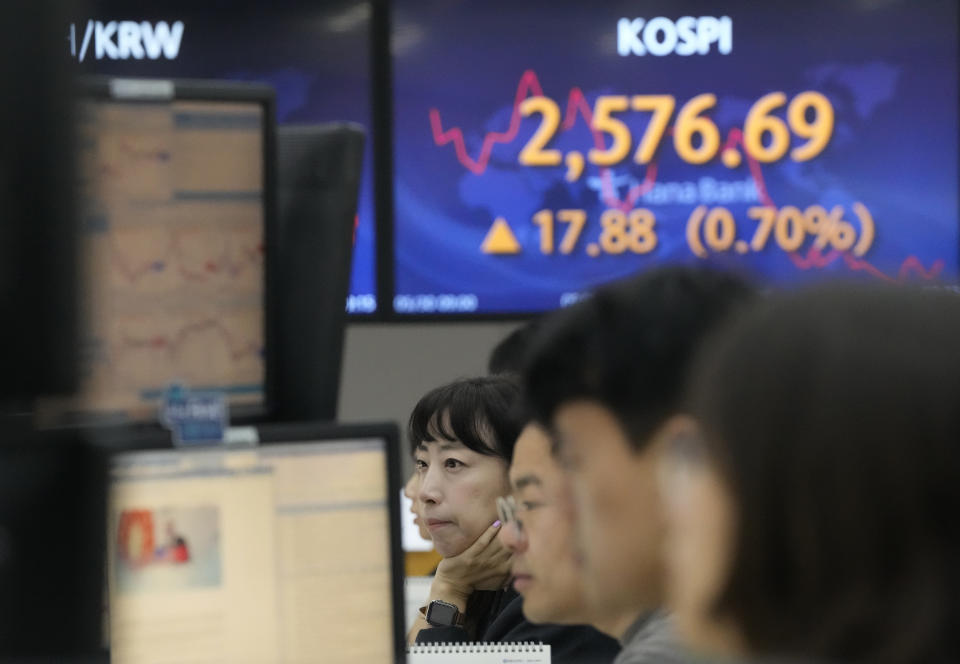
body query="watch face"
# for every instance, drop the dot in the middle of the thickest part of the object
(441, 613)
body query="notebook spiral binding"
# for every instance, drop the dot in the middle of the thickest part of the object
(475, 647)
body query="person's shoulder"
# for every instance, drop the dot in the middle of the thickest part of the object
(654, 643)
(508, 621)
(569, 644)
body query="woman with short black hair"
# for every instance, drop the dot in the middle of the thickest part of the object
(813, 505)
(463, 435)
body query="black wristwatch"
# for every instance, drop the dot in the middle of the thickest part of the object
(442, 614)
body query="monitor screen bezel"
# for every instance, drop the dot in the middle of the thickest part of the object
(102, 88)
(381, 132)
(123, 440)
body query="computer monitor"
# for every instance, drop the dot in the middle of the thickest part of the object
(316, 55)
(177, 203)
(287, 551)
(318, 174)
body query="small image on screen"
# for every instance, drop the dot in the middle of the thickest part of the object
(168, 549)
(173, 235)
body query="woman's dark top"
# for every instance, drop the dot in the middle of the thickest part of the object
(503, 622)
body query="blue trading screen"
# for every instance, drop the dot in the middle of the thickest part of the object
(315, 55)
(542, 148)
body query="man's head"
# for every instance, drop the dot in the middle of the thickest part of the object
(607, 376)
(815, 490)
(546, 569)
(508, 356)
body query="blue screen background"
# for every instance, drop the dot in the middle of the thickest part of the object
(889, 70)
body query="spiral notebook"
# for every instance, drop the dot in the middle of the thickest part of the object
(479, 653)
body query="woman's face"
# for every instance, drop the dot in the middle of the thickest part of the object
(458, 492)
(701, 524)
(411, 491)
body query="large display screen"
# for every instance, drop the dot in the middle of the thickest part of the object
(314, 54)
(542, 148)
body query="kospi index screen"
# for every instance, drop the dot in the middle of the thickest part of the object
(543, 148)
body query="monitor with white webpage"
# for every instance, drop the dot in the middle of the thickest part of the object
(285, 551)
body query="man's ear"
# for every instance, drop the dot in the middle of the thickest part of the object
(677, 426)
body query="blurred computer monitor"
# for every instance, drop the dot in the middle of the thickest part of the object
(38, 230)
(177, 188)
(318, 175)
(52, 505)
(288, 551)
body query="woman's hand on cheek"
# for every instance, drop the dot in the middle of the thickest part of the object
(484, 565)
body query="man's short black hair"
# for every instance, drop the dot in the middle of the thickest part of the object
(479, 412)
(508, 356)
(628, 346)
(834, 419)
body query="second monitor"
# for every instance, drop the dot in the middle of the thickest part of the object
(284, 552)
(177, 187)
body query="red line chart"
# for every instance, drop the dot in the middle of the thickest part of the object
(529, 83)
(577, 102)
(174, 343)
(225, 263)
